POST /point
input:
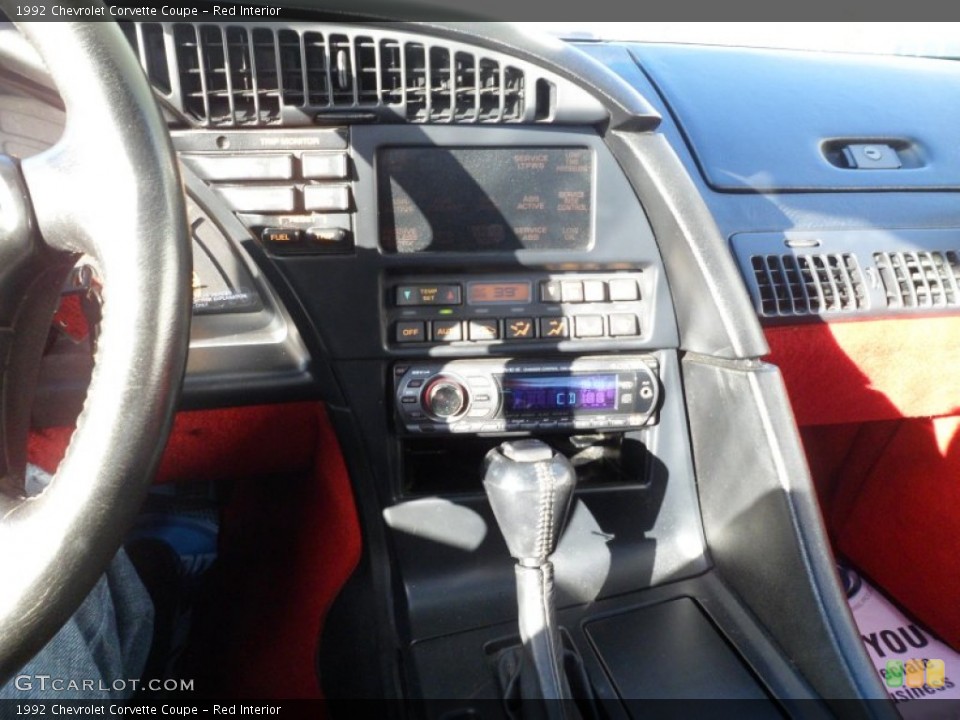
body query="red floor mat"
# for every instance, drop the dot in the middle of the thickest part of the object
(901, 523)
(288, 546)
(290, 538)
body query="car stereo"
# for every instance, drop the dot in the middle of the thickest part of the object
(507, 395)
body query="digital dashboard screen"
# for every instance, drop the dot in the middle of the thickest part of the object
(559, 393)
(495, 293)
(485, 199)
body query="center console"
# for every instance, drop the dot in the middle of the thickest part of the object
(491, 285)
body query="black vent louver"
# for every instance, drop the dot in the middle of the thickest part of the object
(147, 41)
(249, 75)
(920, 279)
(228, 76)
(799, 285)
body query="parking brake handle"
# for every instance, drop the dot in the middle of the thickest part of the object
(530, 488)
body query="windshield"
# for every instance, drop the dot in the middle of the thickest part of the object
(921, 38)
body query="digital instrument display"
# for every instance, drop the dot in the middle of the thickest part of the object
(485, 199)
(547, 393)
(495, 293)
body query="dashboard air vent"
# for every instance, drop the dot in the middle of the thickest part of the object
(799, 285)
(228, 76)
(920, 279)
(244, 75)
(147, 41)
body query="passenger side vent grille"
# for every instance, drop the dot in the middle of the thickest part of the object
(244, 75)
(799, 285)
(920, 279)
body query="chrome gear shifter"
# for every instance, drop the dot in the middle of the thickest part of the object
(530, 488)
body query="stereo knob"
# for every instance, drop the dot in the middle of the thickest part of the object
(445, 398)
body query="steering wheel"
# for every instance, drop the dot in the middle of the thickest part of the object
(108, 189)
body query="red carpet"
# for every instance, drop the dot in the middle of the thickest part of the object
(289, 540)
(874, 400)
(901, 523)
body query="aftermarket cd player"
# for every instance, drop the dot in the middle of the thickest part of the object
(505, 395)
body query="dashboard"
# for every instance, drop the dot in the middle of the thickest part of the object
(453, 236)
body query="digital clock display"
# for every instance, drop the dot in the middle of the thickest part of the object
(495, 293)
(548, 393)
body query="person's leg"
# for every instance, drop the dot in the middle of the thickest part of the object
(100, 649)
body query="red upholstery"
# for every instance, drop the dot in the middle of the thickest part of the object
(876, 370)
(226, 444)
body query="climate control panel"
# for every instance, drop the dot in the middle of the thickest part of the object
(516, 309)
(509, 395)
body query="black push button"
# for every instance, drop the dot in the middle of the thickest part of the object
(623, 325)
(550, 291)
(428, 295)
(554, 328)
(281, 237)
(411, 332)
(447, 331)
(589, 326)
(481, 330)
(329, 240)
(519, 328)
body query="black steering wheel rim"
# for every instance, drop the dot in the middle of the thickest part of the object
(108, 189)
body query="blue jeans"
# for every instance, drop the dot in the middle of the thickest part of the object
(99, 650)
(102, 649)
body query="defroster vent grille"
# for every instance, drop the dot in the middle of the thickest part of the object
(920, 279)
(816, 284)
(247, 75)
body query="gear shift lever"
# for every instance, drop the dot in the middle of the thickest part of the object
(530, 488)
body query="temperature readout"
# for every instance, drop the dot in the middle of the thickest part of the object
(494, 293)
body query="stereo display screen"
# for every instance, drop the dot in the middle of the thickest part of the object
(551, 393)
(485, 199)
